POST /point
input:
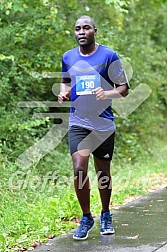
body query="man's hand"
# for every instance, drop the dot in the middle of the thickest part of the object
(63, 97)
(100, 93)
(118, 92)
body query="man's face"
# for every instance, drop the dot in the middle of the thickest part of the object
(85, 32)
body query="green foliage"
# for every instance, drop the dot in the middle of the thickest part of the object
(35, 211)
(147, 55)
(34, 35)
(122, 5)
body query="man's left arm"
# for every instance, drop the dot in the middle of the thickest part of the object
(118, 78)
(118, 92)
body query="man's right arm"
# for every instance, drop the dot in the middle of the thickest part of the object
(64, 94)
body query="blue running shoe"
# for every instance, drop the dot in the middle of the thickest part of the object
(85, 226)
(106, 226)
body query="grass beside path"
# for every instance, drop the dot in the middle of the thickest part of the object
(43, 208)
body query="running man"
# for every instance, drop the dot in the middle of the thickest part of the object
(92, 77)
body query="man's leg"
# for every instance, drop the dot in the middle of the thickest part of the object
(81, 183)
(105, 188)
(80, 150)
(104, 181)
(81, 180)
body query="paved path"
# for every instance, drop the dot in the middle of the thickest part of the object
(141, 226)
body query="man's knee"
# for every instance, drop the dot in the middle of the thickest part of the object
(104, 180)
(103, 173)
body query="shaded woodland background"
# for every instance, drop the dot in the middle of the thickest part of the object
(34, 34)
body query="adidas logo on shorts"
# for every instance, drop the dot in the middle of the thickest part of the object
(106, 156)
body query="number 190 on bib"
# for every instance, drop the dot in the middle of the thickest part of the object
(85, 84)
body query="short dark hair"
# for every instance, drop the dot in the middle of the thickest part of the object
(88, 17)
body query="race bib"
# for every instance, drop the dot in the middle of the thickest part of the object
(86, 83)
